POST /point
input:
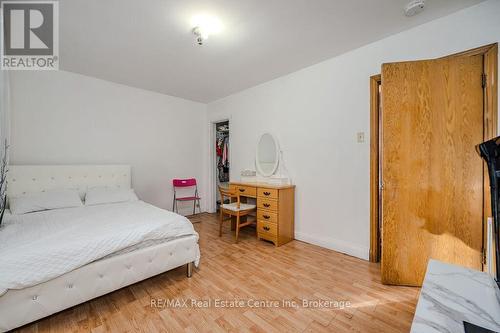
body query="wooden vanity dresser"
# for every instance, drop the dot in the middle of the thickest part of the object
(275, 209)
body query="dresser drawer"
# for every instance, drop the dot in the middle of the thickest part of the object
(269, 237)
(247, 190)
(267, 193)
(269, 204)
(267, 228)
(267, 216)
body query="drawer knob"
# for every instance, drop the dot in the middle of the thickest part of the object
(266, 205)
(267, 193)
(242, 190)
(266, 228)
(266, 217)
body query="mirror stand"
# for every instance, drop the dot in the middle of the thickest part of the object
(281, 176)
(269, 163)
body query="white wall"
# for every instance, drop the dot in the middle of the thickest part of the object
(316, 113)
(66, 118)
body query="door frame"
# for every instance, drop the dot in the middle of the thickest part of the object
(212, 170)
(490, 125)
(375, 82)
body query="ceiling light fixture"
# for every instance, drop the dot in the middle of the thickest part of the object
(204, 26)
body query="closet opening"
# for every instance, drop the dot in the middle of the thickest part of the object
(221, 159)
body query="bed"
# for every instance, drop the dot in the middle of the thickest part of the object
(53, 260)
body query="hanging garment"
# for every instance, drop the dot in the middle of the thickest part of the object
(219, 146)
(222, 153)
(225, 153)
(223, 173)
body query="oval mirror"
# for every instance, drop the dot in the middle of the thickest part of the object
(267, 156)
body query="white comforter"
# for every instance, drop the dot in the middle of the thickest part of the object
(38, 247)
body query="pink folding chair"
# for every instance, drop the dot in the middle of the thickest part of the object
(183, 183)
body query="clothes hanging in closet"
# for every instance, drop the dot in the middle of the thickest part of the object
(222, 150)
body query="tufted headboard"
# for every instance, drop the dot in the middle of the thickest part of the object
(38, 178)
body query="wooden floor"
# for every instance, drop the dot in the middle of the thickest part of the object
(254, 270)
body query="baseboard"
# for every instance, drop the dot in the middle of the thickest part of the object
(351, 249)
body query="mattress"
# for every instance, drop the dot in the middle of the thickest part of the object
(42, 246)
(139, 246)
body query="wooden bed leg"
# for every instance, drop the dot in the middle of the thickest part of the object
(189, 271)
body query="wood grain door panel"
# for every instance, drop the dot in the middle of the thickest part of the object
(432, 202)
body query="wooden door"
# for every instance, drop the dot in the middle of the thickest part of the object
(432, 198)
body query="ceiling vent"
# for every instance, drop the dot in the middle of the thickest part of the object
(414, 7)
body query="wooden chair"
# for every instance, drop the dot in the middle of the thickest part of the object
(236, 209)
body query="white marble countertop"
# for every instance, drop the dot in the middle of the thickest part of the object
(453, 294)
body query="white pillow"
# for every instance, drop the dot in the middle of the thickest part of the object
(53, 199)
(105, 195)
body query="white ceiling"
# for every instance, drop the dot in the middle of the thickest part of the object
(149, 45)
